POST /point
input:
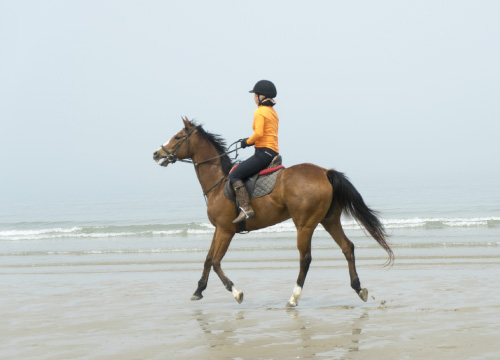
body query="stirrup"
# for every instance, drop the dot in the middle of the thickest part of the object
(244, 212)
(245, 216)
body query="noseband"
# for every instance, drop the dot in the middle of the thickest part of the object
(172, 156)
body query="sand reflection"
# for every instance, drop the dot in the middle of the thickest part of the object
(282, 333)
(323, 338)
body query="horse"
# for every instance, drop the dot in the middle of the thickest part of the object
(306, 193)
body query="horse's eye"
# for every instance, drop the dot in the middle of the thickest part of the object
(177, 138)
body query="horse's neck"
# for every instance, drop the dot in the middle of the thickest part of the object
(209, 173)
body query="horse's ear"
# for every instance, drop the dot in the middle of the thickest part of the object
(187, 123)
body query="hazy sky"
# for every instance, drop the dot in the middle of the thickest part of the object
(380, 90)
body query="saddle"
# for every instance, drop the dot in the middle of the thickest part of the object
(260, 184)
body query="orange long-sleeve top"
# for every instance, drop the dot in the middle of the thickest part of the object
(265, 127)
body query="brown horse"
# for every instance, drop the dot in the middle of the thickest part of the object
(307, 193)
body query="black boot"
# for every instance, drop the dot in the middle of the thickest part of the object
(244, 202)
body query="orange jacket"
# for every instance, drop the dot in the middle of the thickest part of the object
(265, 127)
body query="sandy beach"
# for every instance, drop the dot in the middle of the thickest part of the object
(102, 244)
(415, 311)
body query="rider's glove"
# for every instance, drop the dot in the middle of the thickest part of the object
(244, 143)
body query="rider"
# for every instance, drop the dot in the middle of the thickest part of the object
(265, 139)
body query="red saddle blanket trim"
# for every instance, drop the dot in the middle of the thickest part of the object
(271, 170)
(265, 171)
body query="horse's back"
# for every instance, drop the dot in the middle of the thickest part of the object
(305, 176)
(304, 186)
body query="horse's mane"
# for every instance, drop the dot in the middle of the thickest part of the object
(220, 145)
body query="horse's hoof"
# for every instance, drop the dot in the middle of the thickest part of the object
(290, 304)
(239, 297)
(196, 297)
(363, 294)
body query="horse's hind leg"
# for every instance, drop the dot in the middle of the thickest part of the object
(334, 228)
(304, 236)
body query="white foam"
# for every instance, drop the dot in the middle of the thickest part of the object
(7, 233)
(204, 229)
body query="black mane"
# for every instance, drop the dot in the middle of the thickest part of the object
(220, 145)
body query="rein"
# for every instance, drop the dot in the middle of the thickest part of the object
(172, 157)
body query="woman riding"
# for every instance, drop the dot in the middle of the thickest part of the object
(265, 139)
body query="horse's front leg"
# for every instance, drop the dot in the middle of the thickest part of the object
(202, 284)
(221, 243)
(218, 248)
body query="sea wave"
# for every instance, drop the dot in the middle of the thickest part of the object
(439, 223)
(27, 231)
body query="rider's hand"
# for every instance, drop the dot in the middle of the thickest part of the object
(244, 143)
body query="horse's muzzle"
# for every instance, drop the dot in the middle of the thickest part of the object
(163, 159)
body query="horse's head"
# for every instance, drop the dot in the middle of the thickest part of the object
(178, 146)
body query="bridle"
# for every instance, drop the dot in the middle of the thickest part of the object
(172, 156)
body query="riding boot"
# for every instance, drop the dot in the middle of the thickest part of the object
(244, 202)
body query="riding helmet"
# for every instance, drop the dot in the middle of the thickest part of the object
(266, 88)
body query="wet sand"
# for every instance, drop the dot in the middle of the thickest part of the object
(414, 311)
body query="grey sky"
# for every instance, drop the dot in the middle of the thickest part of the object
(381, 90)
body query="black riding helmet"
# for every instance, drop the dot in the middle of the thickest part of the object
(266, 88)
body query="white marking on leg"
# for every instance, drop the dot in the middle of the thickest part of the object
(238, 295)
(294, 299)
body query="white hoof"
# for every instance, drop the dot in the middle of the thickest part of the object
(294, 299)
(363, 294)
(238, 295)
(196, 297)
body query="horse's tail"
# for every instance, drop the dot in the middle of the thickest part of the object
(351, 201)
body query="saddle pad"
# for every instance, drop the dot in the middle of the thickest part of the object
(256, 189)
(265, 184)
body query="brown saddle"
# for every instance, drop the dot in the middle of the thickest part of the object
(260, 184)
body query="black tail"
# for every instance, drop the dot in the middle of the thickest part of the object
(351, 201)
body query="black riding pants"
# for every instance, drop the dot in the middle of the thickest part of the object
(257, 162)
